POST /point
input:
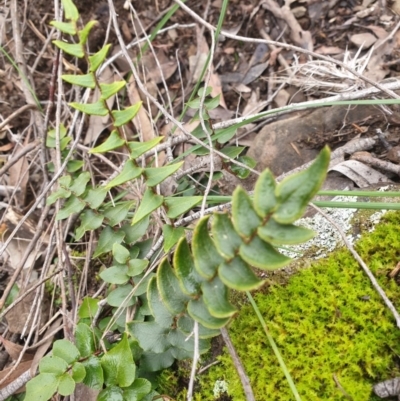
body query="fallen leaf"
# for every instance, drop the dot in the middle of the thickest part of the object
(86, 393)
(14, 350)
(274, 55)
(141, 121)
(17, 317)
(215, 83)
(18, 245)
(19, 370)
(259, 55)
(221, 114)
(394, 154)
(366, 39)
(254, 72)
(229, 50)
(98, 124)
(378, 31)
(254, 104)
(8, 146)
(375, 70)
(241, 88)
(19, 178)
(299, 36)
(282, 98)
(363, 175)
(326, 50)
(196, 65)
(395, 6)
(157, 66)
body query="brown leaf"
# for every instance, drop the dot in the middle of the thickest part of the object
(141, 121)
(298, 35)
(327, 50)
(18, 245)
(254, 104)
(394, 154)
(19, 370)
(18, 316)
(158, 67)
(97, 123)
(379, 32)
(19, 178)
(14, 350)
(196, 65)
(366, 39)
(254, 72)
(241, 88)
(363, 175)
(151, 67)
(215, 83)
(86, 393)
(7, 147)
(375, 71)
(395, 6)
(274, 55)
(282, 98)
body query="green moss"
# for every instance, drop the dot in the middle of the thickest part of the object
(334, 332)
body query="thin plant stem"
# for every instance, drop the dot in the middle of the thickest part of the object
(358, 205)
(160, 25)
(274, 348)
(368, 194)
(23, 77)
(248, 391)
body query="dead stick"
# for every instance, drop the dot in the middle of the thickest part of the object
(373, 161)
(16, 114)
(19, 299)
(248, 391)
(15, 385)
(27, 253)
(18, 156)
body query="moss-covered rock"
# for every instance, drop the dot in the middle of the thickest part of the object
(333, 330)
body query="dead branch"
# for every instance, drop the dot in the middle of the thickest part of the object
(300, 37)
(28, 251)
(348, 149)
(367, 158)
(16, 113)
(28, 148)
(238, 366)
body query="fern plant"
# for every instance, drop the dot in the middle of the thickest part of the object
(192, 292)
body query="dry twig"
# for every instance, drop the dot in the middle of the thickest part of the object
(248, 391)
(381, 88)
(367, 158)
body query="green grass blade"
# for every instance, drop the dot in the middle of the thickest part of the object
(23, 77)
(274, 348)
(370, 194)
(358, 205)
(159, 26)
(198, 83)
